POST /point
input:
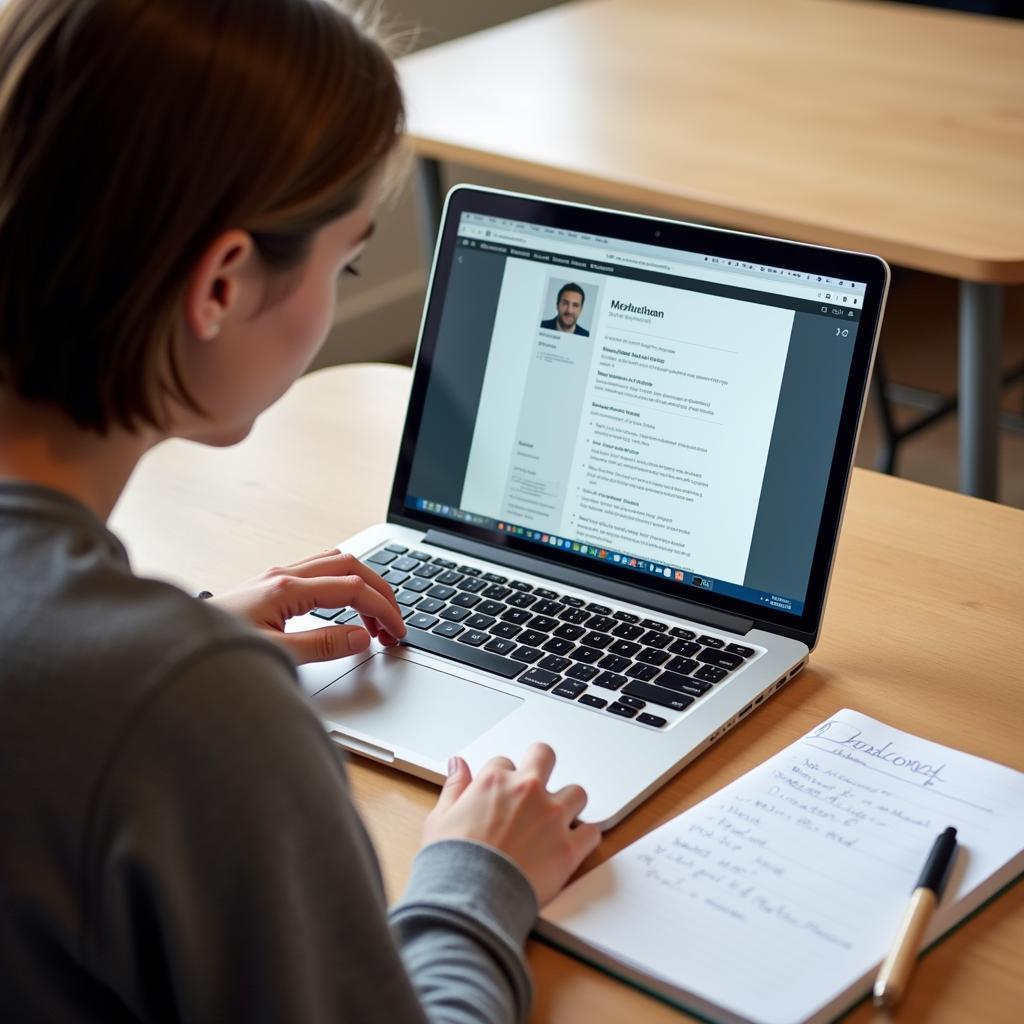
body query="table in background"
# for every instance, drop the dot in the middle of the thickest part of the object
(923, 631)
(878, 127)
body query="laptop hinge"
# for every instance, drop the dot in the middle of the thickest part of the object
(675, 607)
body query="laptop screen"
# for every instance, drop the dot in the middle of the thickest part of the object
(668, 412)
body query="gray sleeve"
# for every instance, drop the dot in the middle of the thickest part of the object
(226, 874)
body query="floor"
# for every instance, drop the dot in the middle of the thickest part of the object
(919, 345)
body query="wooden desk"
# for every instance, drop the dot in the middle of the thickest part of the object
(923, 631)
(879, 127)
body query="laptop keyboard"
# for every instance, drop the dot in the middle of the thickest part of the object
(593, 654)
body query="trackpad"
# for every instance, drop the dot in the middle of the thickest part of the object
(402, 703)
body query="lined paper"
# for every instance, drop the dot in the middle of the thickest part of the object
(775, 899)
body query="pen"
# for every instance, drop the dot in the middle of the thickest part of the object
(895, 971)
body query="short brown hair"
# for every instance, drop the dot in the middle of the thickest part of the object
(132, 133)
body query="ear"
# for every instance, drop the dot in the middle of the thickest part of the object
(219, 285)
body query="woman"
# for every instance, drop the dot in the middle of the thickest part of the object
(181, 184)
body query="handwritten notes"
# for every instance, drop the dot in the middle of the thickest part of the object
(775, 899)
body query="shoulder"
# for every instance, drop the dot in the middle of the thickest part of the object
(582, 331)
(549, 324)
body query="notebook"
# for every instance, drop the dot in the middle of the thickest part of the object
(776, 899)
(618, 493)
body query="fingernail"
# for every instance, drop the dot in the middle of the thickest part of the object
(359, 641)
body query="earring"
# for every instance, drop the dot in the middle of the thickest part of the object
(214, 330)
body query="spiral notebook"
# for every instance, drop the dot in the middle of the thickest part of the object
(775, 900)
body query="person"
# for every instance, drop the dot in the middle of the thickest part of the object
(569, 306)
(181, 184)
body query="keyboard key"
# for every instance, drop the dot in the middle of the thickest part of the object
(465, 600)
(658, 695)
(449, 578)
(683, 666)
(516, 615)
(427, 571)
(574, 615)
(627, 631)
(474, 638)
(420, 556)
(396, 548)
(408, 597)
(658, 627)
(396, 578)
(624, 648)
(539, 678)
(497, 593)
(614, 663)
(642, 672)
(462, 652)
(405, 564)
(656, 720)
(599, 609)
(570, 632)
(519, 585)
(443, 562)
(490, 607)
(382, 558)
(471, 585)
(598, 640)
(348, 616)
(743, 652)
(479, 621)
(569, 688)
(430, 605)
(493, 577)
(527, 654)
(610, 680)
(418, 586)
(632, 702)
(407, 612)
(720, 658)
(543, 623)
(683, 684)
(468, 570)
(556, 645)
(601, 624)
(547, 607)
(441, 592)
(521, 600)
(326, 613)
(549, 594)
(580, 671)
(621, 710)
(554, 664)
(683, 634)
(587, 655)
(592, 700)
(421, 621)
(652, 656)
(573, 602)
(654, 639)
(710, 641)
(505, 629)
(687, 648)
(710, 674)
(626, 617)
(453, 613)
(500, 645)
(533, 638)
(448, 629)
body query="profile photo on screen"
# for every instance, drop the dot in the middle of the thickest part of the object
(568, 301)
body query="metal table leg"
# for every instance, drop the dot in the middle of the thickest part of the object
(981, 332)
(429, 200)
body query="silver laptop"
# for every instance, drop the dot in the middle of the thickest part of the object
(618, 495)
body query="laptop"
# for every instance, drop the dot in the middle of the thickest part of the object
(618, 495)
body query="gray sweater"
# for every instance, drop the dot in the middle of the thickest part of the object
(177, 838)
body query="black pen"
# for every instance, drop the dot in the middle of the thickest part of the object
(895, 970)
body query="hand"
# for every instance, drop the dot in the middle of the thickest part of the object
(512, 811)
(327, 580)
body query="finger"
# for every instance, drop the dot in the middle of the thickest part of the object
(498, 763)
(584, 840)
(325, 644)
(572, 800)
(539, 758)
(327, 553)
(347, 591)
(459, 777)
(338, 564)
